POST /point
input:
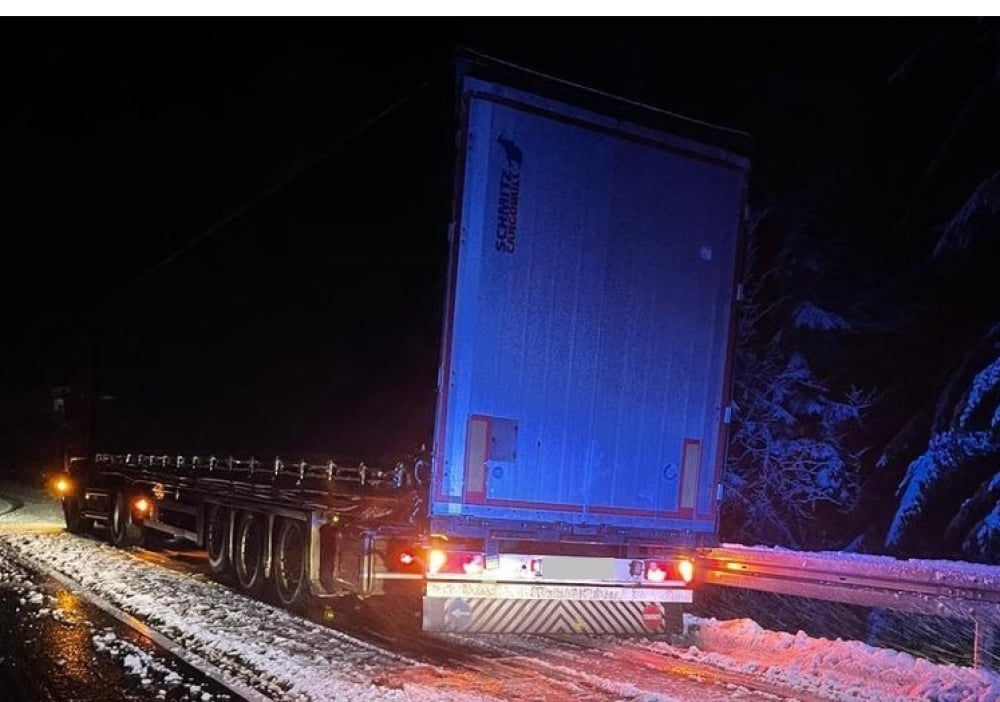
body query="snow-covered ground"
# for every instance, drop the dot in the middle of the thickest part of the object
(286, 657)
(38, 507)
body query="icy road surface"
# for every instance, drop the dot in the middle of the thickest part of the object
(289, 658)
(57, 646)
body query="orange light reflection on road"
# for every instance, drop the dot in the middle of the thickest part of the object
(68, 639)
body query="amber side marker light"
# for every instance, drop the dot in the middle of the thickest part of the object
(686, 570)
(436, 560)
(62, 486)
(141, 505)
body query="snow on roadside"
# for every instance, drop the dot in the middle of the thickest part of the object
(836, 669)
(285, 657)
(150, 671)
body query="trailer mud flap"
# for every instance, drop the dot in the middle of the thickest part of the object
(490, 615)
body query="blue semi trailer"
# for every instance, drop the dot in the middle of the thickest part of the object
(583, 391)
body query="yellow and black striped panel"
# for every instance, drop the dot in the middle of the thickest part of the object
(549, 616)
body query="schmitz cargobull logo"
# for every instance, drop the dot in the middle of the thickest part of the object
(510, 188)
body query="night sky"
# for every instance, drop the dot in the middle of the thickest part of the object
(308, 321)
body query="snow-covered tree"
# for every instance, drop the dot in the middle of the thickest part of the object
(947, 452)
(949, 497)
(790, 459)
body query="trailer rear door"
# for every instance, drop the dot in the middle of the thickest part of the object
(586, 356)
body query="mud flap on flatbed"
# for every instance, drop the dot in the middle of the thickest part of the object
(489, 615)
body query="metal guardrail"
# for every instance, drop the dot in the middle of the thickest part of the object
(940, 588)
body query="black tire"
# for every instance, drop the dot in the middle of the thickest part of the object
(217, 537)
(75, 523)
(125, 533)
(248, 552)
(291, 584)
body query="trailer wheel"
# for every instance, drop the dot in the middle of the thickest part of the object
(217, 538)
(75, 523)
(124, 531)
(290, 582)
(248, 553)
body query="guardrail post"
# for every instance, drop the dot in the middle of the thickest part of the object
(982, 644)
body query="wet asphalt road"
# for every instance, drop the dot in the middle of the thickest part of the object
(55, 646)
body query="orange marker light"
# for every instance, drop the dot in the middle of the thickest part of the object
(686, 569)
(141, 505)
(436, 560)
(63, 486)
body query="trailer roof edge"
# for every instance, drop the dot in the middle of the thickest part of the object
(472, 62)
